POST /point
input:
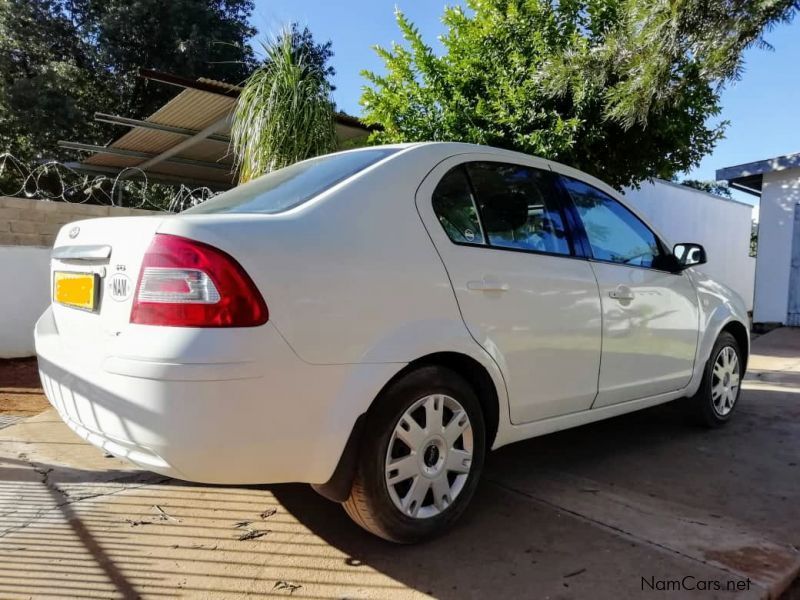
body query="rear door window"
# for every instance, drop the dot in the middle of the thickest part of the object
(455, 208)
(519, 207)
(291, 186)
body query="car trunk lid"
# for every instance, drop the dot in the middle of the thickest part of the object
(109, 251)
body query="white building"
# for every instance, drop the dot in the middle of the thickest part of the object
(721, 225)
(777, 287)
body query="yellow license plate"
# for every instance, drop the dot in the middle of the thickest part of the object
(78, 290)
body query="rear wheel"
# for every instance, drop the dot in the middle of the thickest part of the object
(421, 456)
(716, 399)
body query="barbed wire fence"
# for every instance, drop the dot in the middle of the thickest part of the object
(55, 181)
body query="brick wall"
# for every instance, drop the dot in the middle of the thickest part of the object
(28, 222)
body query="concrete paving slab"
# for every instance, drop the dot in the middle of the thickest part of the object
(628, 508)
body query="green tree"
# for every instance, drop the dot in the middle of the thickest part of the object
(45, 77)
(62, 60)
(285, 112)
(317, 56)
(623, 89)
(712, 187)
(192, 38)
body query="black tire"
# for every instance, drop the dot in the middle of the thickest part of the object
(370, 504)
(701, 406)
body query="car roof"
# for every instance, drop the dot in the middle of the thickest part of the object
(455, 148)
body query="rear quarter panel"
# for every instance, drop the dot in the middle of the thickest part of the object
(352, 276)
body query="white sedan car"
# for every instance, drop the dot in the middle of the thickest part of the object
(372, 322)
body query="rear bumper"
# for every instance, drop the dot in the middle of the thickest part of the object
(268, 419)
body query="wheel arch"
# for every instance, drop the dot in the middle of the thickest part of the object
(473, 373)
(739, 332)
(337, 488)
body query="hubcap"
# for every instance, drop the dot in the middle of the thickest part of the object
(429, 456)
(725, 381)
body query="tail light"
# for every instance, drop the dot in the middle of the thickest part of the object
(184, 283)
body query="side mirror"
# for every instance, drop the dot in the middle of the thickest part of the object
(689, 255)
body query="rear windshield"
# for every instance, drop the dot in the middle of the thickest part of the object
(286, 188)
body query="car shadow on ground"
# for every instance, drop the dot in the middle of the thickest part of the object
(506, 539)
(510, 537)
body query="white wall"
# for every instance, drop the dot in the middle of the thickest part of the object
(780, 193)
(722, 226)
(25, 285)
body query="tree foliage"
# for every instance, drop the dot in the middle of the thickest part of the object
(317, 56)
(285, 113)
(62, 60)
(623, 89)
(712, 187)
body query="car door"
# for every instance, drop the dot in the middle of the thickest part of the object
(650, 311)
(499, 228)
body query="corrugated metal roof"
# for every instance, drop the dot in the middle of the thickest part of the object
(193, 110)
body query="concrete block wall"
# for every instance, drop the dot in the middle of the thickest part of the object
(29, 222)
(28, 229)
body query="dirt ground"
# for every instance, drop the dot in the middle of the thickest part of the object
(20, 389)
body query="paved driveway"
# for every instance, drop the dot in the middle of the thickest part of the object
(626, 508)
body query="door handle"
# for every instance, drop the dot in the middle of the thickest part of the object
(487, 284)
(622, 293)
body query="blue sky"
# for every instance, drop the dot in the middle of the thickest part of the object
(763, 108)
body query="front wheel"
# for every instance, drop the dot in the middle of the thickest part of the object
(716, 399)
(421, 456)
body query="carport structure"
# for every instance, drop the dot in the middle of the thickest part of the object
(186, 141)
